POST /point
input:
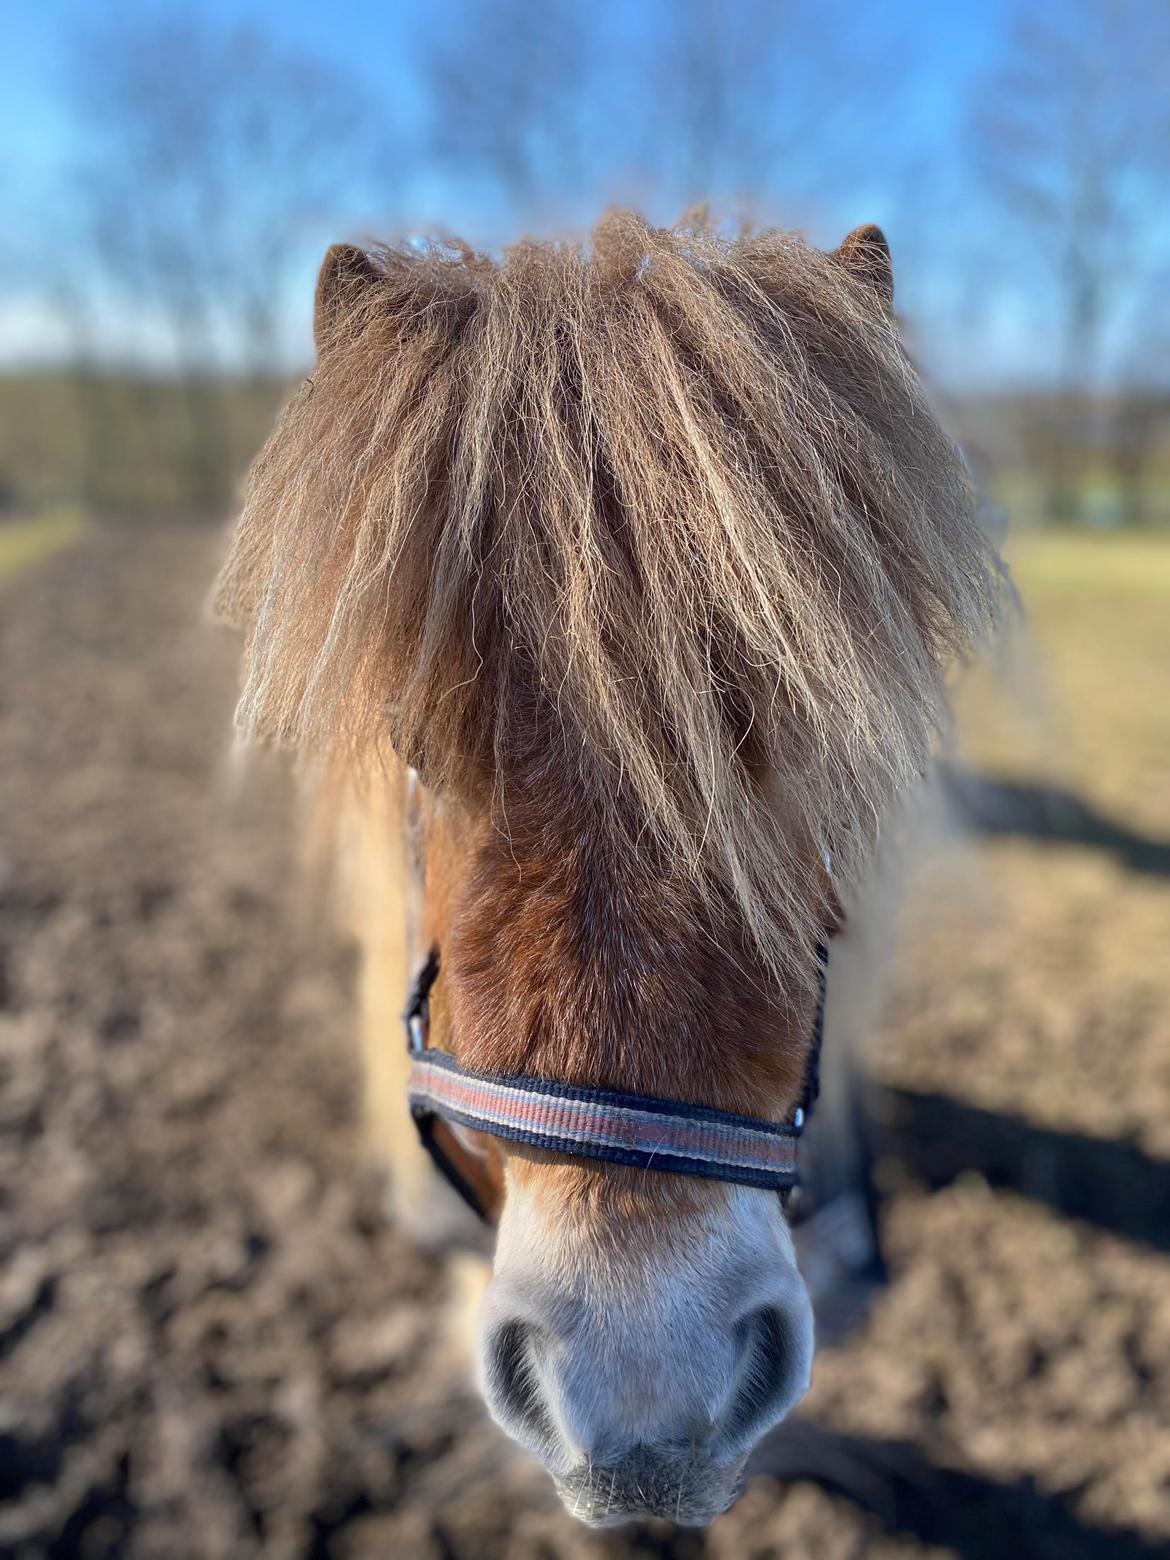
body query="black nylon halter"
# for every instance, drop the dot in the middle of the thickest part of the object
(633, 1129)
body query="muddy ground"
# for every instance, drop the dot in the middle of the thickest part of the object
(211, 1342)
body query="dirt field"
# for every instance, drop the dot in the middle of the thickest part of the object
(211, 1343)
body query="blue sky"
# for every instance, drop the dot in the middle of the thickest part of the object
(948, 48)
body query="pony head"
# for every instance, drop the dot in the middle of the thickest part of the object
(648, 557)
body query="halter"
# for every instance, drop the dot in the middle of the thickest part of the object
(604, 1124)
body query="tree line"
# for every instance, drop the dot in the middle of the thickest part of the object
(216, 162)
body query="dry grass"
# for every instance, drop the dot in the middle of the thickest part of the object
(1035, 978)
(1079, 696)
(25, 542)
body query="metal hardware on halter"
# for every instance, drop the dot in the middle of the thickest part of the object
(417, 1017)
(434, 1133)
(592, 1123)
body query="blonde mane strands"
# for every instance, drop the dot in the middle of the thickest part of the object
(668, 511)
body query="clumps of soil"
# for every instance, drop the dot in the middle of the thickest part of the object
(212, 1342)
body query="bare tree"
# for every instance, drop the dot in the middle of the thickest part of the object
(1072, 135)
(214, 160)
(780, 101)
(562, 108)
(513, 96)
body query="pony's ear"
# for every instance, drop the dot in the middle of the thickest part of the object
(866, 255)
(346, 273)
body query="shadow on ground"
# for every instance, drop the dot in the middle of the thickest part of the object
(971, 1516)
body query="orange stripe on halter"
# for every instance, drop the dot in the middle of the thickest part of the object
(630, 1129)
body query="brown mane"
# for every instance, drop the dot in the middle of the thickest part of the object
(663, 520)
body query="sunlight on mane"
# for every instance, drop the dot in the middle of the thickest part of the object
(662, 520)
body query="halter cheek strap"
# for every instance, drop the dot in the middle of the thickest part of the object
(603, 1124)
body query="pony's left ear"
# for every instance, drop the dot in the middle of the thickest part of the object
(866, 255)
(347, 273)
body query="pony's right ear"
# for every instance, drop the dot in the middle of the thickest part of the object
(865, 254)
(346, 274)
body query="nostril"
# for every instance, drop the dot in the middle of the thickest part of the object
(772, 1369)
(511, 1386)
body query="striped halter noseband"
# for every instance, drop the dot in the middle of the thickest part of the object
(624, 1129)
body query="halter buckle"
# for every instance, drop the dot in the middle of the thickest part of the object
(417, 1017)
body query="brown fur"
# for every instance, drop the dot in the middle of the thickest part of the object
(563, 959)
(650, 556)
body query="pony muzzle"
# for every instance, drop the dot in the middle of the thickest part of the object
(642, 1381)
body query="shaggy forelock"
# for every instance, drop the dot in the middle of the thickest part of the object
(662, 522)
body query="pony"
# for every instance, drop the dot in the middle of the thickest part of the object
(612, 586)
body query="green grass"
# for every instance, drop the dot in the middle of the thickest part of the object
(25, 542)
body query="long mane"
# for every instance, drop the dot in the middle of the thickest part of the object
(662, 520)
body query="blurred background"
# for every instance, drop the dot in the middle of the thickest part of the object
(211, 1342)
